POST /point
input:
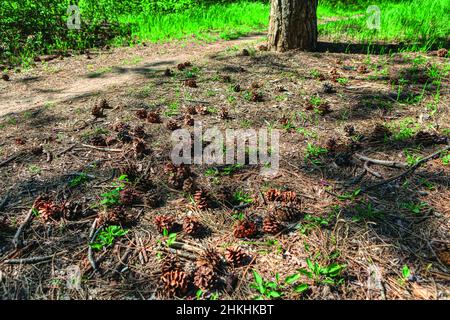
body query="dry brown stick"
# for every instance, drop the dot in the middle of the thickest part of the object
(387, 163)
(92, 234)
(17, 242)
(5, 162)
(185, 255)
(372, 172)
(409, 171)
(101, 149)
(184, 246)
(30, 260)
(66, 150)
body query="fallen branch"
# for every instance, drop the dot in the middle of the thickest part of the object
(372, 172)
(387, 163)
(410, 170)
(12, 158)
(66, 150)
(30, 260)
(92, 234)
(17, 242)
(101, 149)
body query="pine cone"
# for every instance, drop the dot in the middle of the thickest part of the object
(153, 117)
(271, 225)
(97, 111)
(47, 209)
(200, 199)
(172, 125)
(328, 88)
(205, 278)
(104, 104)
(119, 126)
(139, 132)
(209, 258)
(128, 196)
(112, 216)
(19, 141)
(164, 222)
(181, 66)
(273, 195)
(188, 185)
(201, 109)
(130, 170)
(286, 212)
(226, 78)
(380, 133)
(139, 148)
(237, 88)
(5, 77)
(175, 181)
(98, 141)
(349, 130)
(362, 69)
(235, 256)
(152, 199)
(169, 167)
(170, 263)
(223, 113)
(244, 229)
(187, 64)
(289, 196)
(188, 120)
(324, 109)
(257, 97)
(168, 72)
(174, 283)
(263, 48)
(331, 145)
(124, 136)
(191, 110)
(191, 226)
(141, 114)
(191, 83)
(442, 52)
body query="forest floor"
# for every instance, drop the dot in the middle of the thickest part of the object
(347, 231)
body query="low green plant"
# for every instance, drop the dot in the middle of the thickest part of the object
(415, 208)
(329, 274)
(107, 236)
(78, 180)
(112, 198)
(170, 237)
(313, 153)
(242, 197)
(274, 289)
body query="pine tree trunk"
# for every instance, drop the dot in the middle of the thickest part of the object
(293, 25)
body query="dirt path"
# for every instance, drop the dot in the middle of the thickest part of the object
(82, 76)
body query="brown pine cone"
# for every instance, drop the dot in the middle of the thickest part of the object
(331, 145)
(130, 170)
(209, 258)
(97, 111)
(172, 125)
(201, 109)
(120, 126)
(187, 64)
(153, 117)
(442, 52)
(191, 110)
(5, 77)
(47, 209)
(324, 109)
(235, 256)
(223, 113)
(139, 148)
(141, 114)
(289, 196)
(245, 229)
(175, 181)
(113, 216)
(188, 120)
(205, 278)
(362, 69)
(273, 195)
(286, 212)
(168, 72)
(191, 83)
(379, 133)
(191, 226)
(169, 167)
(237, 88)
(263, 48)
(104, 104)
(200, 199)
(188, 185)
(349, 130)
(271, 225)
(98, 141)
(174, 283)
(139, 132)
(170, 263)
(257, 97)
(164, 222)
(152, 199)
(128, 196)
(181, 66)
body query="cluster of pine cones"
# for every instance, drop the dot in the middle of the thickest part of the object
(191, 225)
(209, 267)
(179, 176)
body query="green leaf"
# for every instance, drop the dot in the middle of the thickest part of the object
(291, 279)
(305, 272)
(258, 278)
(274, 294)
(271, 285)
(301, 287)
(406, 272)
(309, 263)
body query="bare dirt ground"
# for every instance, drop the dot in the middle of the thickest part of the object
(352, 224)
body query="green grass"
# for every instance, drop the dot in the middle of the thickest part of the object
(421, 24)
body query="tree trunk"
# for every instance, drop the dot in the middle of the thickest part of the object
(293, 25)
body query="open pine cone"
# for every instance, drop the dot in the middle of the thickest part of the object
(47, 209)
(174, 283)
(141, 114)
(128, 196)
(271, 225)
(164, 222)
(201, 109)
(191, 83)
(442, 53)
(189, 120)
(172, 125)
(190, 110)
(209, 258)
(235, 256)
(113, 216)
(244, 229)
(153, 117)
(152, 199)
(139, 132)
(139, 148)
(273, 195)
(223, 113)
(188, 185)
(191, 225)
(286, 211)
(170, 263)
(205, 278)
(200, 199)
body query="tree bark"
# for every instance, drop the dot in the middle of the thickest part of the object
(293, 25)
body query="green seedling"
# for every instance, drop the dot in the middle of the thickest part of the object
(330, 274)
(78, 180)
(313, 153)
(107, 236)
(112, 198)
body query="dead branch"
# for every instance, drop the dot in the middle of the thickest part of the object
(30, 260)
(17, 242)
(393, 164)
(92, 234)
(410, 170)
(12, 158)
(372, 172)
(66, 150)
(101, 149)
